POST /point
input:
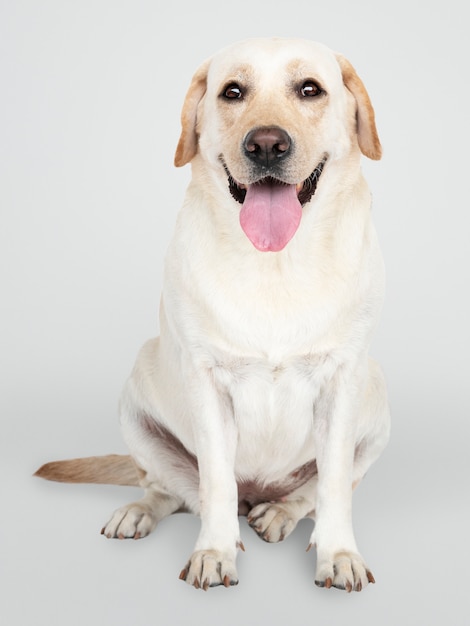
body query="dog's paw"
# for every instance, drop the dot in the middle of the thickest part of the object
(133, 521)
(344, 570)
(210, 568)
(272, 521)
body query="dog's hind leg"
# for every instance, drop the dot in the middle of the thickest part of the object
(170, 481)
(274, 521)
(138, 519)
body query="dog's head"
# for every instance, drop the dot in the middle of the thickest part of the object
(269, 115)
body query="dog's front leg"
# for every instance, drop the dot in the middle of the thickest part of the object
(339, 563)
(215, 437)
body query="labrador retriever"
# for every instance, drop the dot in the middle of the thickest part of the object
(259, 398)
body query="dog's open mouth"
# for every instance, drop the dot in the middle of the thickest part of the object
(271, 209)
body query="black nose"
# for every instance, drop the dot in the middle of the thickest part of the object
(265, 145)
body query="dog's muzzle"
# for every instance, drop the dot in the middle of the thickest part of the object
(272, 209)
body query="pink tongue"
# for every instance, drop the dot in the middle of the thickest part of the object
(270, 215)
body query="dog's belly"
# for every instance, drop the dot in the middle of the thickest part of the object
(253, 492)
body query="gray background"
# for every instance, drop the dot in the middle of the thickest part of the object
(90, 100)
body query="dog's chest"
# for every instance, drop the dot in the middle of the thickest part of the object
(273, 406)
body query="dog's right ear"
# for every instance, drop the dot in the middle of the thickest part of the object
(187, 144)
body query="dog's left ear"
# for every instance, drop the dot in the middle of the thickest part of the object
(187, 144)
(367, 135)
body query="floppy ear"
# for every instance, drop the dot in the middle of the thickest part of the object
(367, 135)
(187, 144)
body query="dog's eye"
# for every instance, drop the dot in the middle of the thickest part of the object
(310, 89)
(232, 92)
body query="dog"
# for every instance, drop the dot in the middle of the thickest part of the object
(259, 397)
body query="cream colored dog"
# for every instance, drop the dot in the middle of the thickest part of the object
(259, 396)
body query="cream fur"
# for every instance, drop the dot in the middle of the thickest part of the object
(262, 365)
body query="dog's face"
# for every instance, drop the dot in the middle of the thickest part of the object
(267, 115)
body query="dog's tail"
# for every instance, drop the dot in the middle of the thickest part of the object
(113, 469)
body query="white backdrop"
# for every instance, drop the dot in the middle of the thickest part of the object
(90, 98)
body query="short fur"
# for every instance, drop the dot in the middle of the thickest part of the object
(259, 396)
